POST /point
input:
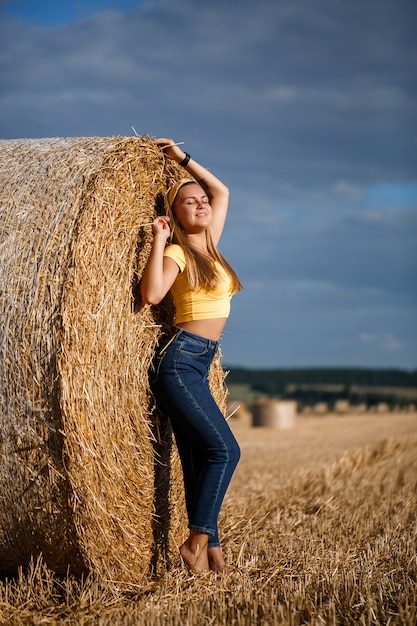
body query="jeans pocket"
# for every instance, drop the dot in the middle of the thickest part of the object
(193, 349)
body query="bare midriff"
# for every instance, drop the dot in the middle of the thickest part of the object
(210, 329)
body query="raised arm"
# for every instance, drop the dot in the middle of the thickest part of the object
(217, 191)
(160, 272)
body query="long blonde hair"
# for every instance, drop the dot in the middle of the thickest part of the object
(200, 267)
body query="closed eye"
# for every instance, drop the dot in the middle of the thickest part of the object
(203, 200)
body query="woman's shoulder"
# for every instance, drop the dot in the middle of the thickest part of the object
(175, 252)
(174, 248)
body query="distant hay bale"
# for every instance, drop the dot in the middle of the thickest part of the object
(342, 407)
(78, 441)
(274, 413)
(382, 407)
(360, 408)
(321, 408)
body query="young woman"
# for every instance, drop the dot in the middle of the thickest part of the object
(202, 284)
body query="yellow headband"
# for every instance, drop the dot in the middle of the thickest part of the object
(173, 191)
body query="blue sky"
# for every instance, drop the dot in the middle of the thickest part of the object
(56, 12)
(307, 110)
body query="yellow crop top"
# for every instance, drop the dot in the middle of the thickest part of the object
(200, 304)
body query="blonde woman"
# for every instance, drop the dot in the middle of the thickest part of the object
(184, 259)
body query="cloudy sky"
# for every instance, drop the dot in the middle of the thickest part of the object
(305, 108)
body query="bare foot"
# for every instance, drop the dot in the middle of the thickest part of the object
(216, 561)
(194, 552)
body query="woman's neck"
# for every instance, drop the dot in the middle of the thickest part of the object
(198, 241)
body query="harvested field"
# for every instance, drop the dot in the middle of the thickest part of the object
(320, 521)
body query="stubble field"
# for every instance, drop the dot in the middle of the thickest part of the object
(320, 522)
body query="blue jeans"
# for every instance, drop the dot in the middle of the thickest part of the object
(207, 447)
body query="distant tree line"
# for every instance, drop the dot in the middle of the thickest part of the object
(277, 380)
(311, 385)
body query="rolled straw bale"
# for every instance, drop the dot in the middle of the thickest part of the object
(321, 408)
(342, 407)
(78, 448)
(382, 407)
(360, 408)
(274, 413)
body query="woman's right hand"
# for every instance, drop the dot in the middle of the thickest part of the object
(160, 227)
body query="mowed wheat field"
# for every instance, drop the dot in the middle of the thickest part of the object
(320, 524)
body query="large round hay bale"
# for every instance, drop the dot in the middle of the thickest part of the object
(78, 446)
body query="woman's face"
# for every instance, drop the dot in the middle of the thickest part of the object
(192, 208)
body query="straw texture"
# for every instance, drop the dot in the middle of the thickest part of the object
(87, 465)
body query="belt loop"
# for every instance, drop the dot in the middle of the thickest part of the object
(176, 331)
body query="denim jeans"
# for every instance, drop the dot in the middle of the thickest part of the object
(207, 447)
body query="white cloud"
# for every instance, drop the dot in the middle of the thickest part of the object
(367, 337)
(385, 341)
(280, 93)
